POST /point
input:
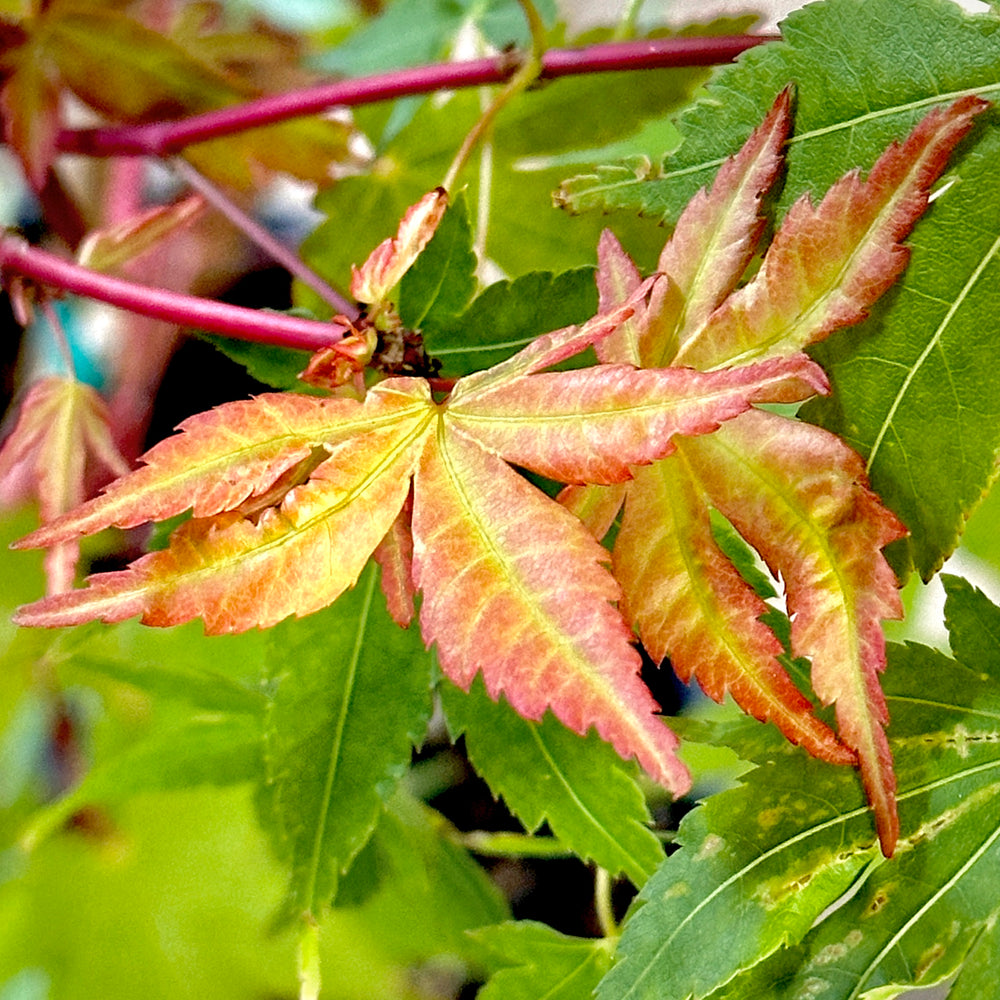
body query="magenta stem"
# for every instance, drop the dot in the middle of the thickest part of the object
(174, 307)
(165, 138)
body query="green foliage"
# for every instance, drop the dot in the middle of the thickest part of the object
(180, 812)
(896, 59)
(415, 31)
(348, 695)
(436, 290)
(508, 315)
(547, 773)
(771, 858)
(539, 962)
(277, 367)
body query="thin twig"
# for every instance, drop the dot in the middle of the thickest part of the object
(265, 240)
(521, 80)
(536, 26)
(175, 307)
(526, 74)
(167, 138)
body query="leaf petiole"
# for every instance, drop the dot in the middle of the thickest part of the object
(511, 845)
(310, 979)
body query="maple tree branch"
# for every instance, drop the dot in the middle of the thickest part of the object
(162, 139)
(175, 307)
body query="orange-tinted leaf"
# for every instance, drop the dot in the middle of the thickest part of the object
(591, 425)
(236, 572)
(395, 556)
(687, 601)
(799, 495)
(30, 102)
(130, 72)
(145, 75)
(552, 348)
(514, 588)
(228, 455)
(109, 249)
(827, 265)
(718, 232)
(596, 506)
(618, 281)
(713, 242)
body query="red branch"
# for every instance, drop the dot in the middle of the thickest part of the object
(166, 138)
(163, 139)
(175, 307)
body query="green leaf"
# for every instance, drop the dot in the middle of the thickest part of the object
(442, 280)
(746, 866)
(754, 742)
(864, 73)
(769, 860)
(182, 664)
(210, 750)
(510, 314)
(208, 691)
(545, 772)
(979, 970)
(278, 367)
(541, 963)
(172, 903)
(974, 625)
(739, 553)
(432, 892)
(414, 31)
(349, 693)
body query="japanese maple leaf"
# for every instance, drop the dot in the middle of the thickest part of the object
(795, 492)
(292, 494)
(62, 428)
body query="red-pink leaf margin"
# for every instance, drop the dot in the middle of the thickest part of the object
(224, 457)
(392, 258)
(800, 496)
(591, 425)
(687, 601)
(827, 265)
(490, 555)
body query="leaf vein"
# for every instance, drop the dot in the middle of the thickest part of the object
(931, 345)
(338, 741)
